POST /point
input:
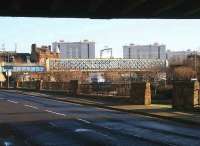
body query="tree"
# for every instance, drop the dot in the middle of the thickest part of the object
(183, 73)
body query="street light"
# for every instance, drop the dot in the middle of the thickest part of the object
(8, 73)
(195, 62)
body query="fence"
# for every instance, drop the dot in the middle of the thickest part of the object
(67, 87)
(105, 89)
(27, 84)
(97, 89)
(57, 86)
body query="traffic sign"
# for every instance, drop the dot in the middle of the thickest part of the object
(9, 73)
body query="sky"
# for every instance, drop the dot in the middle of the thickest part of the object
(114, 33)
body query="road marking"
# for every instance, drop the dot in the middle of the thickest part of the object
(85, 121)
(82, 130)
(54, 113)
(31, 106)
(12, 101)
(52, 124)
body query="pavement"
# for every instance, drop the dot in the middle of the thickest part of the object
(36, 120)
(163, 111)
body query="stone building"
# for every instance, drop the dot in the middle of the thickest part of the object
(40, 54)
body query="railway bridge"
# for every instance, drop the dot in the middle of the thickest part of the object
(106, 64)
(55, 65)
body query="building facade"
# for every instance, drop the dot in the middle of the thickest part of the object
(41, 54)
(154, 51)
(14, 57)
(178, 57)
(75, 50)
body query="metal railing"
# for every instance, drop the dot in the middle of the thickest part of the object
(105, 89)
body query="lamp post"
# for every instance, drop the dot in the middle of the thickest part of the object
(8, 73)
(195, 62)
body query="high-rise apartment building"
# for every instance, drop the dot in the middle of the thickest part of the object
(154, 51)
(75, 50)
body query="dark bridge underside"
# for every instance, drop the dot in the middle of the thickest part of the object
(102, 8)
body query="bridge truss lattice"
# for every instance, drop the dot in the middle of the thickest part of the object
(106, 64)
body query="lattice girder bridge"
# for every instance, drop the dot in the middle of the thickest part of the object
(106, 64)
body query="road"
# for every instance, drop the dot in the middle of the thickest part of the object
(31, 120)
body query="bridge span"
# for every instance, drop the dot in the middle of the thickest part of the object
(55, 65)
(106, 64)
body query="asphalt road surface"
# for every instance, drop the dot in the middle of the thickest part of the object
(30, 120)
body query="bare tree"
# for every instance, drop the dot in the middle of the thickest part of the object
(183, 73)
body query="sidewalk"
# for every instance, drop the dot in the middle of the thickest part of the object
(154, 110)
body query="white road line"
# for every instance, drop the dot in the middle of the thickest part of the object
(31, 106)
(52, 124)
(12, 101)
(54, 113)
(85, 121)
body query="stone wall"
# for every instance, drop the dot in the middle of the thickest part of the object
(71, 87)
(185, 94)
(140, 93)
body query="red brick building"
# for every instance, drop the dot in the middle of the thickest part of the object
(40, 54)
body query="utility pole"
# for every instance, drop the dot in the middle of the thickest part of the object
(8, 72)
(106, 49)
(3, 47)
(195, 62)
(15, 47)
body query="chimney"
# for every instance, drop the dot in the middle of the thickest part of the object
(33, 48)
(58, 48)
(28, 59)
(49, 48)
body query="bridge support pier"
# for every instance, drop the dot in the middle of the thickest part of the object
(16, 85)
(185, 94)
(140, 93)
(39, 85)
(75, 88)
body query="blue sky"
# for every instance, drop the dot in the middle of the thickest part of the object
(175, 34)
